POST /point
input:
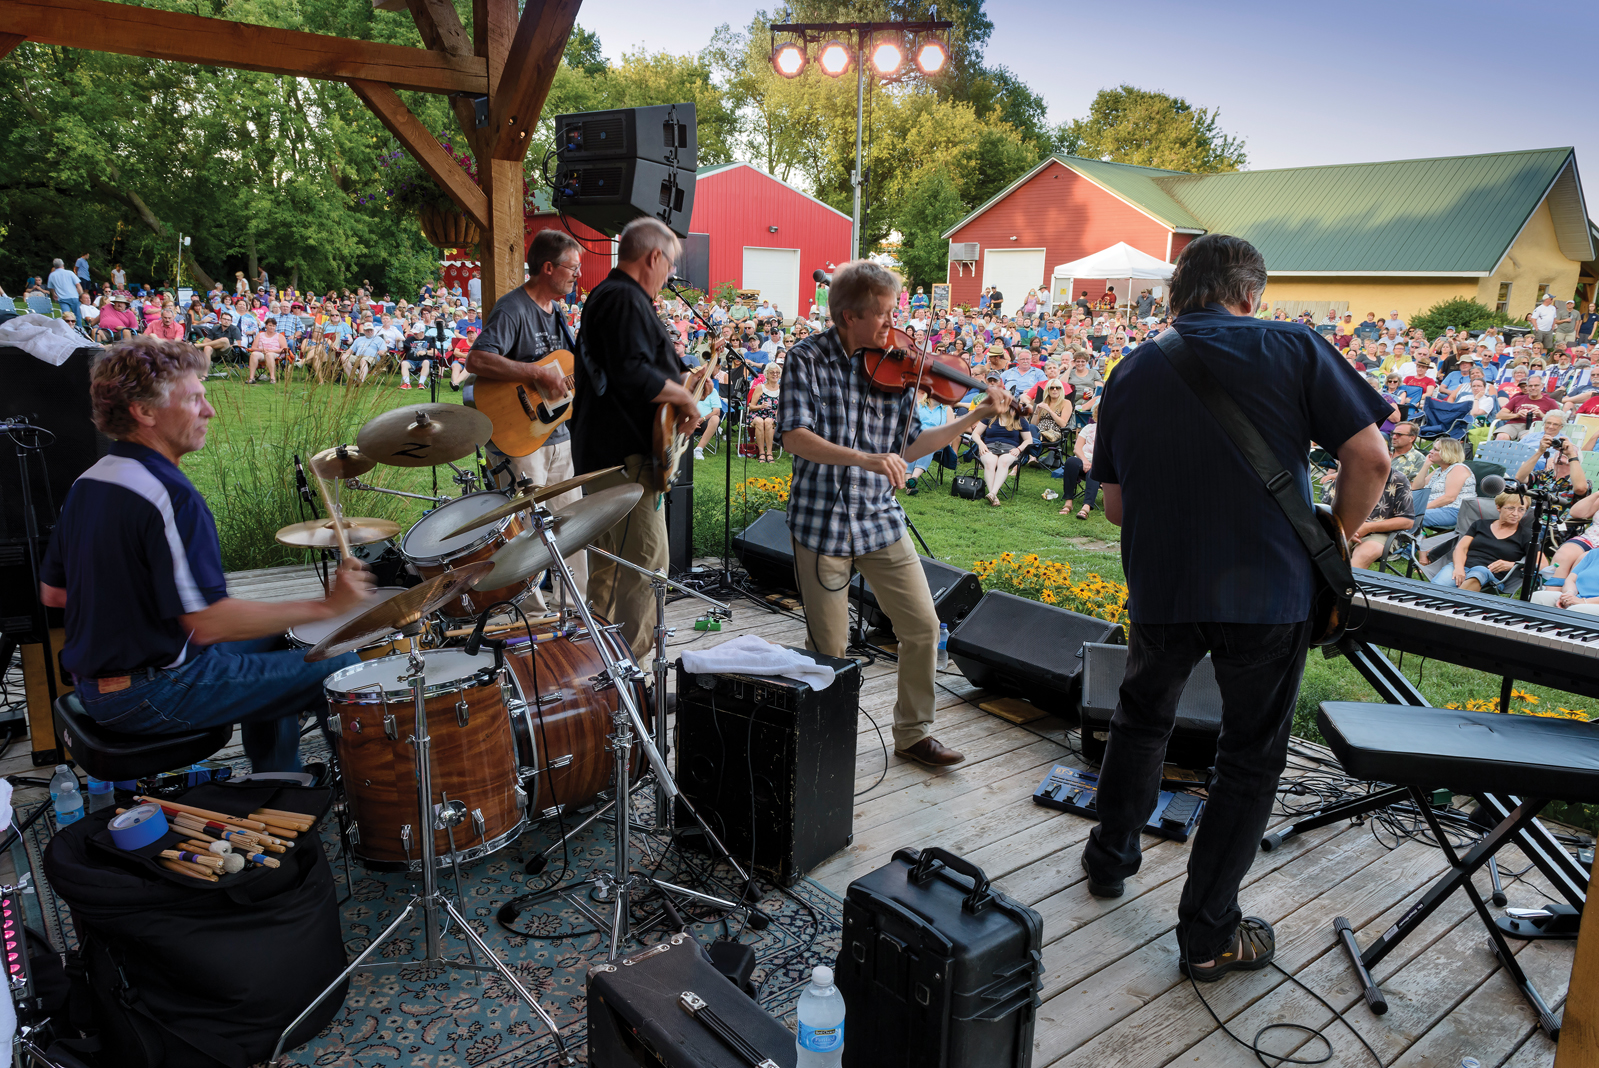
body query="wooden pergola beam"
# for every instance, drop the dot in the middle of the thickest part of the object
(8, 42)
(440, 26)
(518, 101)
(386, 104)
(101, 26)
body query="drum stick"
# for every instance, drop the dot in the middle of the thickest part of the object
(496, 628)
(210, 845)
(204, 813)
(186, 869)
(261, 859)
(194, 824)
(202, 860)
(294, 820)
(333, 514)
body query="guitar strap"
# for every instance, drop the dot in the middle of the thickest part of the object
(1331, 565)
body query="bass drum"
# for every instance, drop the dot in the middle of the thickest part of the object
(562, 725)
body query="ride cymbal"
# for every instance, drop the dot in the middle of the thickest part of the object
(578, 524)
(423, 435)
(319, 533)
(398, 612)
(523, 501)
(341, 462)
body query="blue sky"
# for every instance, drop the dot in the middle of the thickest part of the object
(1338, 82)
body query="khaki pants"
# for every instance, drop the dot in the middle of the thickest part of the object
(545, 467)
(900, 584)
(621, 594)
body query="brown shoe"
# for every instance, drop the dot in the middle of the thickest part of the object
(928, 751)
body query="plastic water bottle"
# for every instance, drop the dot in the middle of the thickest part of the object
(99, 795)
(943, 646)
(69, 804)
(821, 1022)
(62, 776)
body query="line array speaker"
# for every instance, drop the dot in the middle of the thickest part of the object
(1193, 738)
(616, 166)
(1024, 648)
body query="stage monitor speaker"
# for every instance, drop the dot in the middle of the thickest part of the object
(662, 133)
(1193, 738)
(793, 746)
(955, 594)
(766, 551)
(680, 528)
(1023, 648)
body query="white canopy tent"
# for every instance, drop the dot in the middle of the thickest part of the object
(1120, 261)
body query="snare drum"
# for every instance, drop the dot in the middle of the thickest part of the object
(372, 717)
(562, 725)
(305, 635)
(431, 553)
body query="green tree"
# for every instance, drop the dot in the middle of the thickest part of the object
(928, 205)
(1129, 125)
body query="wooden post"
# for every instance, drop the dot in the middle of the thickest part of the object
(1579, 1026)
(503, 250)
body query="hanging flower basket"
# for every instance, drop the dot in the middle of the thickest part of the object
(447, 227)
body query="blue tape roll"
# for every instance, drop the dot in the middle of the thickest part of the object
(138, 827)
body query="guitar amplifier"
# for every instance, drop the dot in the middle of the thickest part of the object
(777, 751)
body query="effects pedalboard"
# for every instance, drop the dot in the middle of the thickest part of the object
(1071, 790)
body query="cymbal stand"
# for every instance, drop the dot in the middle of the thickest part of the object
(433, 903)
(616, 887)
(357, 484)
(660, 584)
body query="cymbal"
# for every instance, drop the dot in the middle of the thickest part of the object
(578, 524)
(523, 501)
(341, 461)
(423, 435)
(397, 613)
(318, 533)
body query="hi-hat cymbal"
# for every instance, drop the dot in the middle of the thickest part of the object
(341, 461)
(523, 501)
(423, 435)
(579, 523)
(397, 613)
(319, 534)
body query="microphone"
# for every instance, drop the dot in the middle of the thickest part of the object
(821, 277)
(1492, 486)
(676, 282)
(475, 642)
(300, 483)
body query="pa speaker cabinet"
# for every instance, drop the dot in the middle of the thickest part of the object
(680, 528)
(775, 751)
(766, 551)
(662, 133)
(1025, 648)
(1193, 738)
(955, 594)
(608, 194)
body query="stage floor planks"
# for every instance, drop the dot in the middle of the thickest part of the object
(1112, 996)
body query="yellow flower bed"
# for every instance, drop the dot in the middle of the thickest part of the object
(1477, 704)
(1051, 582)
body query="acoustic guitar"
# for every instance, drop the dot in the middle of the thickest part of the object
(525, 416)
(669, 444)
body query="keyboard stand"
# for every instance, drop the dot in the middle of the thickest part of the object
(1557, 865)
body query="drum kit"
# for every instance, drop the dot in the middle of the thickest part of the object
(448, 754)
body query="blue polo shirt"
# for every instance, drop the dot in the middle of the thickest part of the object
(1202, 540)
(135, 548)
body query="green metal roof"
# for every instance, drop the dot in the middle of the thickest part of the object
(1139, 185)
(1457, 214)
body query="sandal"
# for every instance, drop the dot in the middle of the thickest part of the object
(993, 502)
(1067, 510)
(1082, 513)
(1254, 946)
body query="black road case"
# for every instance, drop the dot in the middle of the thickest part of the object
(943, 969)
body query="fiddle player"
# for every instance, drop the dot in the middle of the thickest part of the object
(627, 365)
(524, 326)
(153, 641)
(851, 444)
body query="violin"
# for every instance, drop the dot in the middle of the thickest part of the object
(903, 366)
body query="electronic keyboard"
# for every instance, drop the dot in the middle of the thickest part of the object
(1500, 635)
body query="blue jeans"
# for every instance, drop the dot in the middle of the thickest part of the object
(73, 306)
(259, 684)
(1489, 581)
(1258, 668)
(1441, 517)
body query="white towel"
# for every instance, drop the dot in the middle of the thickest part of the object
(750, 654)
(43, 336)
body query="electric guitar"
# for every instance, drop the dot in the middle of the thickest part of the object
(669, 444)
(525, 416)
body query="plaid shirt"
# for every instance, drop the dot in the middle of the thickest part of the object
(832, 510)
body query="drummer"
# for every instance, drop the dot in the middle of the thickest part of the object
(153, 641)
(524, 326)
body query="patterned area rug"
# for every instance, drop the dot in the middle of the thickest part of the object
(434, 1015)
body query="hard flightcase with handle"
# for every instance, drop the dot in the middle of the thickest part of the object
(937, 968)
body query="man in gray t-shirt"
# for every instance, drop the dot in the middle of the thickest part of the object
(524, 326)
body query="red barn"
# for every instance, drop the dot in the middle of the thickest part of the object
(1062, 210)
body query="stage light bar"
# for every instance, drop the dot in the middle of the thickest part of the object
(835, 58)
(789, 60)
(887, 58)
(931, 56)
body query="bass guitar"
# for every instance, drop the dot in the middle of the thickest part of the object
(669, 444)
(525, 416)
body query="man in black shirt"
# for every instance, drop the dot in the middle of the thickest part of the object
(626, 366)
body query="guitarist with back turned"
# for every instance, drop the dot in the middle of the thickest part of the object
(626, 367)
(1240, 584)
(523, 328)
